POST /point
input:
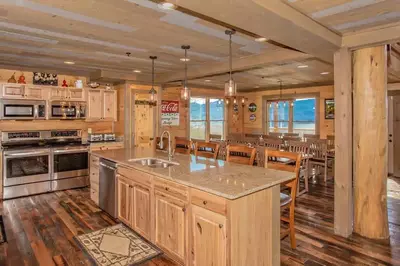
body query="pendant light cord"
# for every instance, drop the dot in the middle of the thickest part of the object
(230, 56)
(186, 67)
(152, 75)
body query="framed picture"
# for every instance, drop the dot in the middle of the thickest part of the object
(252, 107)
(329, 109)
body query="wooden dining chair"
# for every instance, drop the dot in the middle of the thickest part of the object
(206, 149)
(289, 138)
(319, 153)
(290, 134)
(235, 137)
(215, 137)
(240, 154)
(275, 134)
(287, 201)
(183, 145)
(273, 144)
(311, 136)
(304, 149)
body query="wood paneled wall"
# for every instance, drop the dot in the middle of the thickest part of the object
(326, 127)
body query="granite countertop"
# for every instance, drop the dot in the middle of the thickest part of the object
(228, 180)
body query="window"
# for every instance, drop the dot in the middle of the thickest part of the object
(292, 116)
(206, 118)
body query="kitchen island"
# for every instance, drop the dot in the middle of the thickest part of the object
(200, 211)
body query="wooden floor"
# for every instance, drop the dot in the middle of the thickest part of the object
(40, 231)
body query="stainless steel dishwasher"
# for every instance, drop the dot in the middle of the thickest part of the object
(108, 187)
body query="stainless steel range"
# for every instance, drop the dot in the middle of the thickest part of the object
(42, 161)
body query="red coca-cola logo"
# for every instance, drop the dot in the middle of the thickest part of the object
(170, 107)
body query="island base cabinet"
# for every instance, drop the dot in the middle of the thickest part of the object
(170, 225)
(125, 192)
(141, 210)
(209, 241)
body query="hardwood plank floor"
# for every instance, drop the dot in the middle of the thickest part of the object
(40, 231)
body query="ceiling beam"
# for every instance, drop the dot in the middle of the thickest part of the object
(272, 19)
(240, 64)
(372, 37)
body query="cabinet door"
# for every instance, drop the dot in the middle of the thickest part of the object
(110, 105)
(170, 216)
(76, 94)
(208, 237)
(141, 210)
(58, 93)
(13, 91)
(95, 105)
(34, 93)
(124, 200)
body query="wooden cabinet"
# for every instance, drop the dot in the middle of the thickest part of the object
(22, 91)
(102, 105)
(141, 210)
(67, 94)
(208, 237)
(94, 178)
(104, 146)
(170, 225)
(125, 191)
(58, 93)
(75, 94)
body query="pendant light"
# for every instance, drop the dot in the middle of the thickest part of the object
(230, 86)
(185, 91)
(153, 92)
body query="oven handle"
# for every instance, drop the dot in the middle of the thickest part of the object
(70, 151)
(20, 154)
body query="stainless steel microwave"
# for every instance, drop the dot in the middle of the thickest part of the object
(22, 109)
(68, 110)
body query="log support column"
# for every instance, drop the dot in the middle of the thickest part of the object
(370, 128)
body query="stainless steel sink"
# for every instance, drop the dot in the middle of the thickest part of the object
(154, 162)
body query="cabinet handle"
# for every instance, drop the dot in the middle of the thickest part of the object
(199, 227)
(205, 202)
(184, 209)
(221, 225)
(167, 189)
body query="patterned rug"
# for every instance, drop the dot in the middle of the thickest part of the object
(2, 231)
(117, 245)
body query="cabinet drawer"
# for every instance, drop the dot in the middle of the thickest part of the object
(135, 175)
(94, 160)
(171, 188)
(208, 201)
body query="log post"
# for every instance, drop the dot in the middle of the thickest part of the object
(370, 142)
(343, 144)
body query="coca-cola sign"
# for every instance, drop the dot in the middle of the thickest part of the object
(170, 113)
(170, 107)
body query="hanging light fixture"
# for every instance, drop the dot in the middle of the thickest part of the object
(185, 91)
(230, 86)
(153, 92)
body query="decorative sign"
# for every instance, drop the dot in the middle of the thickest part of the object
(252, 107)
(170, 113)
(253, 118)
(329, 109)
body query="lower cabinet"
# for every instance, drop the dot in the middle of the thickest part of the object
(170, 225)
(125, 191)
(208, 237)
(142, 210)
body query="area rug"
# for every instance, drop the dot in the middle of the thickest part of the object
(2, 231)
(117, 245)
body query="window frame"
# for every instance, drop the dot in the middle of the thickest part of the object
(208, 118)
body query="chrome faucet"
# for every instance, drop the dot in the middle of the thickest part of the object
(161, 144)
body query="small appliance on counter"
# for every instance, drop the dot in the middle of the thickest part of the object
(93, 137)
(109, 137)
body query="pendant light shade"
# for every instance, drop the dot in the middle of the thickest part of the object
(185, 91)
(153, 92)
(230, 85)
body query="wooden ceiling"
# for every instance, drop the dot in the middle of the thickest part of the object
(347, 16)
(96, 35)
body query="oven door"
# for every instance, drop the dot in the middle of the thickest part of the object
(26, 166)
(63, 112)
(70, 162)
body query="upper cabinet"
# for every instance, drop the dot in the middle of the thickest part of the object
(102, 105)
(22, 91)
(67, 94)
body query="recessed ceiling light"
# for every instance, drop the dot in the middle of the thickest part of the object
(324, 73)
(185, 59)
(302, 66)
(166, 6)
(69, 62)
(137, 71)
(261, 39)
(208, 80)
(257, 87)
